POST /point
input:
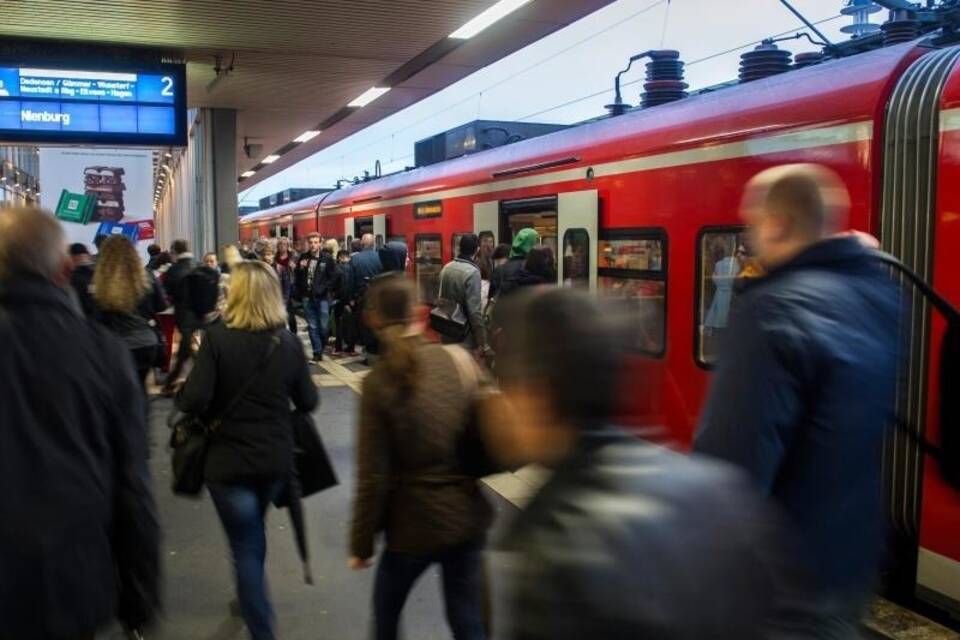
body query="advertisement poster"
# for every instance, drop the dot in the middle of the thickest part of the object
(96, 191)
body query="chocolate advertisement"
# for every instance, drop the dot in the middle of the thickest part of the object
(96, 191)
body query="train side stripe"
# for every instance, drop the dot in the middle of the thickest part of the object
(950, 120)
(781, 143)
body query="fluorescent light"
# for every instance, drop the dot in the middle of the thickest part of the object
(307, 136)
(271, 158)
(498, 11)
(368, 96)
(247, 174)
(168, 155)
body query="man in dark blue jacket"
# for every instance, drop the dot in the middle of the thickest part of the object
(79, 539)
(805, 388)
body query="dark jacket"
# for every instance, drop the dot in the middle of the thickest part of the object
(801, 398)
(254, 441)
(136, 334)
(393, 256)
(411, 441)
(629, 540)
(365, 266)
(523, 279)
(79, 539)
(503, 273)
(324, 282)
(155, 301)
(177, 294)
(81, 279)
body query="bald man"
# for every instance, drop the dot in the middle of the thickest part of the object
(79, 540)
(804, 389)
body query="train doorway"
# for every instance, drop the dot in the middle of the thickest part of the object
(568, 223)
(356, 228)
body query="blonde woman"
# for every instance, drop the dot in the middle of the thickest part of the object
(251, 452)
(126, 298)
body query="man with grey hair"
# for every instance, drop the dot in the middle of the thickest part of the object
(805, 387)
(78, 527)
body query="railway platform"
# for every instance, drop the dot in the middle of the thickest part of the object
(198, 582)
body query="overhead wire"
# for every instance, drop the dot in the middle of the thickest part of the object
(712, 56)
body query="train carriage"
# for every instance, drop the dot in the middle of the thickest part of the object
(644, 206)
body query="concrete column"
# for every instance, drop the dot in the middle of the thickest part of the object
(223, 182)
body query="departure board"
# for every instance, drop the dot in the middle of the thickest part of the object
(42, 104)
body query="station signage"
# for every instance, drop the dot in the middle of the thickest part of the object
(53, 105)
(433, 209)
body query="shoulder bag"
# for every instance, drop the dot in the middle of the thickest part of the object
(190, 437)
(448, 318)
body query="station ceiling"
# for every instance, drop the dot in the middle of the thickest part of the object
(298, 63)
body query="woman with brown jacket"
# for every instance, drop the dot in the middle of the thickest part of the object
(414, 407)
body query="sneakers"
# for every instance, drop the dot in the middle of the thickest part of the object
(317, 357)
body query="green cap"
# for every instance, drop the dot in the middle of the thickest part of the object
(523, 242)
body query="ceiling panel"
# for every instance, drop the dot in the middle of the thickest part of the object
(295, 62)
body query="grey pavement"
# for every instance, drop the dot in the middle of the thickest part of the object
(197, 573)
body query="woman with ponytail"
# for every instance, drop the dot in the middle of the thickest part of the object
(415, 405)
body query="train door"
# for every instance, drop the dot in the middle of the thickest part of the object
(530, 213)
(348, 232)
(380, 229)
(578, 229)
(486, 219)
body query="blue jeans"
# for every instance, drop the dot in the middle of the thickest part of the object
(462, 590)
(318, 322)
(242, 508)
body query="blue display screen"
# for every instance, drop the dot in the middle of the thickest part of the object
(40, 104)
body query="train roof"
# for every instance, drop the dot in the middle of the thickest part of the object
(837, 92)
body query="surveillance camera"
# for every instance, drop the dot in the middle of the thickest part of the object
(252, 150)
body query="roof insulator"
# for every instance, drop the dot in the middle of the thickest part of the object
(766, 60)
(664, 81)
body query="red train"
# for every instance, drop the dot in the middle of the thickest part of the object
(644, 206)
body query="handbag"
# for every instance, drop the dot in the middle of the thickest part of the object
(448, 318)
(312, 468)
(190, 437)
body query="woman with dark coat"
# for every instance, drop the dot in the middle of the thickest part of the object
(125, 300)
(251, 452)
(414, 406)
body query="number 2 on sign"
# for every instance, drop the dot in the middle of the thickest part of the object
(167, 86)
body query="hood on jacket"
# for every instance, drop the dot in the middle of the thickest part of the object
(393, 256)
(523, 242)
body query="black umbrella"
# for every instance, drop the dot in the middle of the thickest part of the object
(292, 501)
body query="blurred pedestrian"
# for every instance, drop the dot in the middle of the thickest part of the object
(460, 296)
(500, 255)
(365, 265)
(287, 261)
(81, 278)
(79, 539)
(251, 453)
(626, 539)
(210, 261)
(153, 253)
(805, 387)
(415, 404)
(120, 286)
(523, 242)
(344, 313)
(229, 258)
(174, 283)
(315, 276)
(488, 245)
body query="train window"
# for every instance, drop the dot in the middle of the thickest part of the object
(632, 282)
(379, 241)
(428, 261)
(576, 258)
(723, 262)
(455, 244)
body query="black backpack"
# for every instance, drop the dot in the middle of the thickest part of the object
(947, 451)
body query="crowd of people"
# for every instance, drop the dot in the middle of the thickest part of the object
(772, 528)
